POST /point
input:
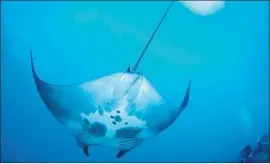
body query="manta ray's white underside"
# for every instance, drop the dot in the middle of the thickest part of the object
(120, 110)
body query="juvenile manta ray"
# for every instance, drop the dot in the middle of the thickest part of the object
(120, 110)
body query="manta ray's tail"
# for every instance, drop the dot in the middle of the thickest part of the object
(186, 98)
(134, 69)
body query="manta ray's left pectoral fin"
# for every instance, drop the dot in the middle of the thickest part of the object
(126, 145)
(185, 101)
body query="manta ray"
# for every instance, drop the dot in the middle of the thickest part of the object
(120, 110)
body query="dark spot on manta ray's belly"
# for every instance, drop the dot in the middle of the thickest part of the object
(127, 132)
(126, 123)
(96, 129)
(112, 116)
(114, 122)
(117, 118)
(117, 111)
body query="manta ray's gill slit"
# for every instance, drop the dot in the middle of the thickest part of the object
(85, 137)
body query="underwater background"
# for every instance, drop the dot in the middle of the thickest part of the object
(226, 55)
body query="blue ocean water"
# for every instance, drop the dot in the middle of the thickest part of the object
(226, 55)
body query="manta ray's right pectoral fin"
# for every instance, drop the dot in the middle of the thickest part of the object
(186, 98)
